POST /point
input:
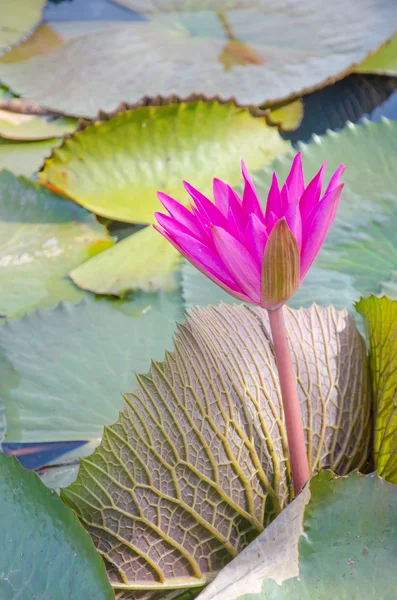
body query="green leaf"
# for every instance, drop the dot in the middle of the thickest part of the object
(16, 126)
(62, 371)
(45, 554)
(383, 62)
(336, 540)
(25, 158)
(380, 315)
(18, 20)
(197, 461)
(259, 53)
(287, 117)
(360, 252)
(144, 260)
(116, 167)
(42, 237)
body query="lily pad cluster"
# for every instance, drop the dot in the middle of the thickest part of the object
(169, 479)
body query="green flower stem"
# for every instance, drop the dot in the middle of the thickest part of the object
(289, 393)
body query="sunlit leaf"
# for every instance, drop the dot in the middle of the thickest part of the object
(197, 462)
(62, 371)
(25, 158)
(256, 52)
(45, 551)
(380, 316)
(42, 237)
(18, 20)
(16, 126)
(116, 167)
(384, 61)
(336, 540)
(360, 252)
(144, 260)
(287, 117)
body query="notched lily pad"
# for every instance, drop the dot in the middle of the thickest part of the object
(257, 52)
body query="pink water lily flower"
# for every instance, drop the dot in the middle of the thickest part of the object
(259, 256)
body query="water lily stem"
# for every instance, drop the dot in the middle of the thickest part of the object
(289, 393)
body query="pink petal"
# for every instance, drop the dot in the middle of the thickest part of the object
(251, 202)
(204, 259)
(239, 263)
(334, 181)
(255, 238)
(205, 206)
(181, 214)
(312, 193)
(295, 181)
(271, 221)
(221, 195)
(294, 221)
(273, 198)
(284, 200)
(316, 227)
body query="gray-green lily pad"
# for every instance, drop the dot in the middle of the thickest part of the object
(63, 370)
(260, 53)
(359, 255)
(45, 553)
(338, 539)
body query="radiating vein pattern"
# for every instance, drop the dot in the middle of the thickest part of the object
(197, 463)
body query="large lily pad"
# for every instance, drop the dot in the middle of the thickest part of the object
(42, 237)
(338, 539)
(360, 253)
(380, 315)
(197, 462)
(260, 53)
(115, 168)
(45, 554)
(18, 20)
(62, 371)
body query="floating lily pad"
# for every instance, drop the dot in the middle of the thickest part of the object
(360, 253)
(115, 168)
(197, 462)
(383, 62)
(45, 553)
(25, 158)
(17, 126)
(380, 316)
(63, 370)
(144, 261)
(18, 20)
(336, 540)
(257, 53)
(42, 237)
